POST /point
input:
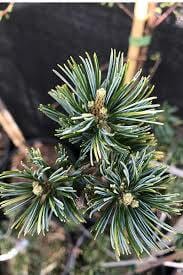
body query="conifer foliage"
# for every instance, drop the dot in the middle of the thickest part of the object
(40, 192)
(103, 114)
(111, 123)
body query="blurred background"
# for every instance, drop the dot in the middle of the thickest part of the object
(37, 37)
(34, 38)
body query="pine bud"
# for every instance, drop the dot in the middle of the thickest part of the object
(91, 104)
(37, 188)
(100, 97)
(135, 204)
(127, 198)
(159, 155)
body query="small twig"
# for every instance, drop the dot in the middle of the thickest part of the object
(120, 263)
(11, 128)
(125, 9)
(164, 251)
(72, 257)
(172, 169)
(19, 247)
(174, 264)
(49, 268)
(178, 227)
(164, 15)
(135, 262)
(155, 67)
(7, 10)
(147, 263)
(175, 171)
(145, 266)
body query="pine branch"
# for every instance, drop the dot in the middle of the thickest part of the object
(103, 116)
(126, 199)
(40, 191)
(125, 188)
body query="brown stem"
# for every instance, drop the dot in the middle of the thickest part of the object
(158, 262)
(125, 9)
(137, 31)
(147, 31)
(164, 15)
(6, 10)
(146, 263)
(155, 67)
(11, 128)
(73, 255)
(88, 169)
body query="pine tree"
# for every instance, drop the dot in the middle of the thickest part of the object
(116, 174)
